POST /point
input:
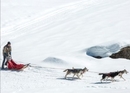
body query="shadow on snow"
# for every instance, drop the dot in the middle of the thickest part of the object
(69, 78)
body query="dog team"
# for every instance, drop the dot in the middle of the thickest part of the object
(78, 72)
(105, 76)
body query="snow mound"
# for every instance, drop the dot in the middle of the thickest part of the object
(54, 60)
(103, 51)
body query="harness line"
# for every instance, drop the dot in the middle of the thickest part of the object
(60, 68)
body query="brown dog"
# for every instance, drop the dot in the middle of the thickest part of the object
(77, 72)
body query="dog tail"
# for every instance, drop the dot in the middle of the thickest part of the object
(100, 74)
(65, 70)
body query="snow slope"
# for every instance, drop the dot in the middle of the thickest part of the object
(54, 35)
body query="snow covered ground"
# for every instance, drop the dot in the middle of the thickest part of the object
(54, 35)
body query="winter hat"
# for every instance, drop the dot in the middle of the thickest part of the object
(8, 43)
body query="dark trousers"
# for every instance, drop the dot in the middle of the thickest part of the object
(4, 61)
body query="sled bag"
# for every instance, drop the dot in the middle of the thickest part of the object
(13, 65)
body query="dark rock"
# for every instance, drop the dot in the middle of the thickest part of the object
(98, 57)
(123, 53)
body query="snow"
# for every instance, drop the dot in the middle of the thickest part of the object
(54, 35)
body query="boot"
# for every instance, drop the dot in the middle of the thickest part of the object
(6, 63)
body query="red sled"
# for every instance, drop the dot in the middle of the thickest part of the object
(14, 66)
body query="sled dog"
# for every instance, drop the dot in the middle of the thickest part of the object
(107, 75)
(74, 71)
(113, 74)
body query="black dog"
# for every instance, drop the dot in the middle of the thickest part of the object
(111, 74)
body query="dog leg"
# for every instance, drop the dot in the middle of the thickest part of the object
(101, 80)
(106, 79)
(78, 76)
(112, 79)
(103, 77)
(81, 74)
(73, 75)
(66, 75)
(122, 78)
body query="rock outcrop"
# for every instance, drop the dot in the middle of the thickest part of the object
(123, 53)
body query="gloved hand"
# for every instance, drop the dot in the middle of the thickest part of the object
(8, 58)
